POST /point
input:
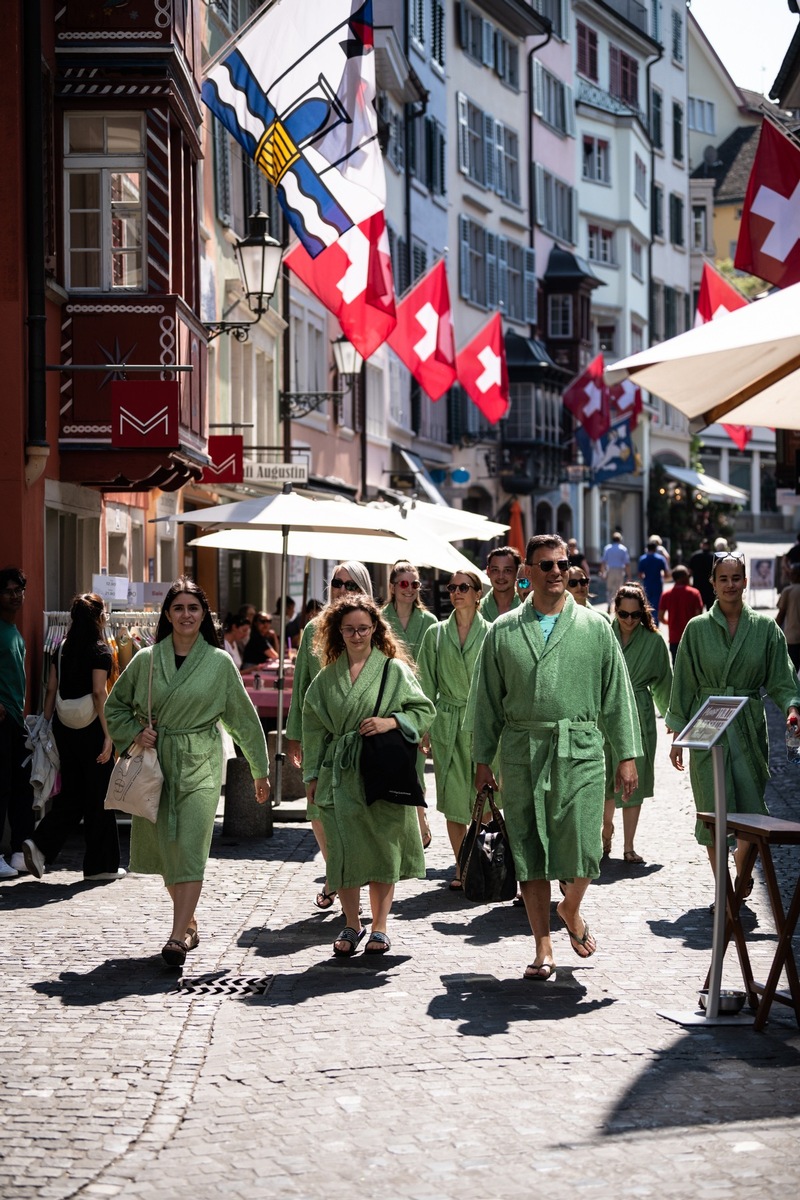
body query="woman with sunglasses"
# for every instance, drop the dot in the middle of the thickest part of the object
(409, 621)
(350, 578)
(377, 844)
(731, 650)
(650, 670)
(446, 666)
(578, 582)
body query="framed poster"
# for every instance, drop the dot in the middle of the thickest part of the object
(762, 574)
(710, 722)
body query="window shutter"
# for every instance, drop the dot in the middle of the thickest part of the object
(512, 79)
(615, 86)
(488, 44)
(490, 298)
(538, 88)
(529, 285)
(539, 193)
(500, 54)
(488, 151)
(402, 265)
(222, 172)
(455, 414)
(501, 301)
(500, 181)
(569, 111)
(463, 256)
(463, 26)
(463, 134)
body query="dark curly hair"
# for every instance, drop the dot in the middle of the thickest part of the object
(329, 644)
(634, 591)
(184, 584)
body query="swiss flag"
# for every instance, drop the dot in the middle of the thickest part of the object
(482, 370)
(423, 337)
(626, 401)
(769, 235)
(587, 398)
(716, 298)
(353, 279)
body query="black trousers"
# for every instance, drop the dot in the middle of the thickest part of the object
(84, 783)
(16, 795)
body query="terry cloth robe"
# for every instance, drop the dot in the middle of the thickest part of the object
(650, 670)
(446, 669)
(488, 607)
(187, 704)
(545, 699)
(379, 843)
(711, 663)
(412, 637)
(306, 667)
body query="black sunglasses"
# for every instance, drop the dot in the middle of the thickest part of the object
(630, 616)
(349, 585)
(547, 564)
(459, 587)
(573, 583)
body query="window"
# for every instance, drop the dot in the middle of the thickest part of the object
(516, 271)
(699, 226)
(471, 150)
(656, 311)
(670, 312)
(637, 338)
(677, 36)
(555, 12)
(556, 206)
(640, 179)
(472, 262)
(396, 146)
(416, 20)
(677, 131)
(419, 259)
(438, 32)
(702, 116)
(488, 151)
(596, 160)
(676, 232)
(426, 154)
(104, 183)
(553, 100)
(601, 244)
(623, 76)
(658, 211)
(607, 339)
(587, 51)
(657, 118)
(637, 259)
(559, 316)
(506, 173)
(506, 60)
(496, 272)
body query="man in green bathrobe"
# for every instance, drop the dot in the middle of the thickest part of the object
(501, 567)
(546, 673)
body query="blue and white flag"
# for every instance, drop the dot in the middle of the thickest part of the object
(297, 91)
(608, 456)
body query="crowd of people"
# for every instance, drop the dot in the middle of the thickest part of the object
(528, 690)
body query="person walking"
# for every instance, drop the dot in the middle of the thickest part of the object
(195, 685)
(700, 565)
(16, 795)
(576, 556)
(379, 844)
(446, 666)
(501, 567)
(678, 605)
(81, 669)
(650, 672)
(731, 650)
(653, 570)
(615, 566)
(545, 676)
(788, 615)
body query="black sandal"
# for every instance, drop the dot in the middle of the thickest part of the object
(352, 937)
(325, 899)
(174, 952)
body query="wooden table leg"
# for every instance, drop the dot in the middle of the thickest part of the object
(733, 926)
(784, 954)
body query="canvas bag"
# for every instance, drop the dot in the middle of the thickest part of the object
(137, 778)
(75, 714)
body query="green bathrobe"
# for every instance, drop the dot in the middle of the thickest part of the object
(187, 704)
(711, 663)
(306, 667)
(446, 669)
(488, 607)
(380, 843)
(545, 699)
(412, 637)
(650, 670)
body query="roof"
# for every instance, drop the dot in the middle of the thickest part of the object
(564, 265)
(732, 166)
(528, 360)
(786, 88)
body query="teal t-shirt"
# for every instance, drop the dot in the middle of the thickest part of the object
(547, 622)
(12, 670)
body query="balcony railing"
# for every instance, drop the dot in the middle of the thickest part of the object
(590, 93)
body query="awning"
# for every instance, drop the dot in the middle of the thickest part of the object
(715, 489)
(421, 475)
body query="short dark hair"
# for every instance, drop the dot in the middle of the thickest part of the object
(543, 541)
(504, 551)
(13, 575)
(681, 574)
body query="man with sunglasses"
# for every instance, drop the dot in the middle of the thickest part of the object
(546, 673)
(501, 567)
(16, 796)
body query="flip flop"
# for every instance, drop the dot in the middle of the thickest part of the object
(549, 968)
(630, 856)
(325, 899)
(576, 941)
(383, 943)
(352, 937)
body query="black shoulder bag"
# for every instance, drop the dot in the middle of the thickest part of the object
(485, 861)
(389, 764)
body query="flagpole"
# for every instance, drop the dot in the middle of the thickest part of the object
(238, 35)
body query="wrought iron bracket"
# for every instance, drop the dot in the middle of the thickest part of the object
(300, 404)
(238, 329)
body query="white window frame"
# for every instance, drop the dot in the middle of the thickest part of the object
(601, 245)
(637, 259)
(596, 168)
(553, 101)
(560, 315)
(640, 179)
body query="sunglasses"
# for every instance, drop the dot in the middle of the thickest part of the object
(547, 564)
(349, 586)
(524, 584)
(459, 587)
(719, 555)
(573, 583)
(630, 616)
(405, 584)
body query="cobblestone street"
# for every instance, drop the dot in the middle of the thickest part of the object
(435, 1072)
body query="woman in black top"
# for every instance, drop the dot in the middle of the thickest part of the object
(80, 670)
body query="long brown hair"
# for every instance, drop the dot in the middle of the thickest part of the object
(634, 591)
(328, 642)
(184, 584)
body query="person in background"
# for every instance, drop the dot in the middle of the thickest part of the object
(653, 570)
(501, 567)
(720, 545)
(294, 630)
(700, 565)
(409, 621)
(615, 566)
(678, 605)
(664, 552)
(235, 634)
(81, 668)
(16, 795)
(578, 583)
(788, 615)
(576, 556)
(523, 584)
(291, 609)
(262, 644)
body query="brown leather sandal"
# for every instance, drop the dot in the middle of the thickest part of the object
(174, 953)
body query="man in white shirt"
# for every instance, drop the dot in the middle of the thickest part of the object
(615, 566)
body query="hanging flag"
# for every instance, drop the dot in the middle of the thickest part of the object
(769, 234)
(626, 401)
(588, 400)
(423, 337)
(353, 279)
(482, 370)
(718, 297)
(610, 455)
(297, 92)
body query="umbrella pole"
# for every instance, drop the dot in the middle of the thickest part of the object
(281, 670)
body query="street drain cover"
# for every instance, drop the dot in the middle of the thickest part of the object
(226, 985)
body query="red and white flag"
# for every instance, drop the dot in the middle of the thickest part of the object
(353, 279)
(587, 398)
(717, 297)
(423, 337)
(482, 370)
(626, 401)
(769, 235)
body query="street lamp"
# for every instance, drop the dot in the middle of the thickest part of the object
(258, 257)
(348, 364)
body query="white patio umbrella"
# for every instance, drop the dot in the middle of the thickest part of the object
(452, 524)
(743, 368)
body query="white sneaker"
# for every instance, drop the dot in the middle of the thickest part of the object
(18, 862)
(34, 859)
(106, 876)
(6, 871)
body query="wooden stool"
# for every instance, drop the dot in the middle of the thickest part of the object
(761, 833)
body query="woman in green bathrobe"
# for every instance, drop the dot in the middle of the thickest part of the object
(650, 670)
(409, 621)
(195, 685)
(446, 666)
(731, 651)
(377, 844)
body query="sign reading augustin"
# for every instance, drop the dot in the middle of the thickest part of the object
(260, 472)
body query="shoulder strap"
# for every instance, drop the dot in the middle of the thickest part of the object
(383, 685)
(58, 668)
(150, 689)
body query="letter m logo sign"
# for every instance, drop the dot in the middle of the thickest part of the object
(144, 414)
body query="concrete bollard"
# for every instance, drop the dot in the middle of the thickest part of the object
(292, 786)
(243, 817)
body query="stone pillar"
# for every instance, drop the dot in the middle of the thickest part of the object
(243, 816)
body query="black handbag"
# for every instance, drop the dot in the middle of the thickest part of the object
(485, 861)
(389, 764)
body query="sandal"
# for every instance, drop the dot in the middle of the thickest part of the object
(455, 885)
(630, 856)
(534, 971)
(352, 937)
(427, 839)
(192, 940)
(174, 952)
(607, 842)
(576, 941)
(325, 899)
(382, 943)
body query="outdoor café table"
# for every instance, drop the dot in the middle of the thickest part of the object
(761, 833)
(266, 698)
